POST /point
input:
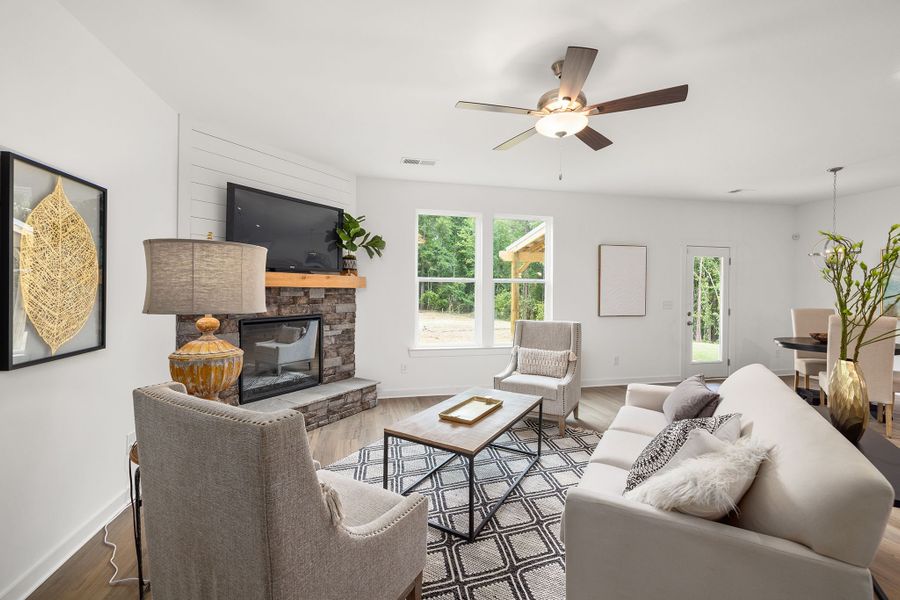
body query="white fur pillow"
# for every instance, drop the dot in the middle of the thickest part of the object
(707, 486)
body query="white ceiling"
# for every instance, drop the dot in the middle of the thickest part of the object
(780, 90)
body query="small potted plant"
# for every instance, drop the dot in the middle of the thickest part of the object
(352, 237)
(861, 297)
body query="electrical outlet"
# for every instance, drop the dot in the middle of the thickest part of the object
(403, 368)
(616, 360)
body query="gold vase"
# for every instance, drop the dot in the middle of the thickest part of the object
(207, 365)
(848, 399)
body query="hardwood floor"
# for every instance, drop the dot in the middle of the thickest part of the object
(85, 575)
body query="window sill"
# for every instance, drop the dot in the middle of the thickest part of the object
(451, 351)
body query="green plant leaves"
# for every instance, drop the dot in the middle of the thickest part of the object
(352, 236)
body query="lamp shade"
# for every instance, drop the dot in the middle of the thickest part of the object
(194, 277)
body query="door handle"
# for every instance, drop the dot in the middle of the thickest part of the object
(689, 323)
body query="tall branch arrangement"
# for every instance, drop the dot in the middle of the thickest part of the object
(862, 297)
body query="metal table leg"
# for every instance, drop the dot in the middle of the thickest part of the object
(384, 464)
(472, 498)
(540, 425)
(136, 503)
(879, 593)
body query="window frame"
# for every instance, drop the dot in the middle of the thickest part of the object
(484, 281)
(546, 280)
(476, 280)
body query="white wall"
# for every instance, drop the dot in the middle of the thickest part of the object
(649, 348)
(67, 102)
(861, 217)
(209, 157)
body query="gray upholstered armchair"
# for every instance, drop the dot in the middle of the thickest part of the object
(561, 395)
(235, 509)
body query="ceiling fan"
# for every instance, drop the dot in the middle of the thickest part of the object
(564, 111)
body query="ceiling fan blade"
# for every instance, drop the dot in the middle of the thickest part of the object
(515, 140)
(593, 138)
(575, 69)
(645, 100)
(494, 108)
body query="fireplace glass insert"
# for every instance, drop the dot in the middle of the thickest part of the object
(281, 354)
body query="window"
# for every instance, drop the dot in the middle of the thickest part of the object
(450, 278)
(446, 267)
(519, 247)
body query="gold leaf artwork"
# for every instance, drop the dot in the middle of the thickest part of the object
(59, 273)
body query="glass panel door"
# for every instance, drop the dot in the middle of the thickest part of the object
(706, 311)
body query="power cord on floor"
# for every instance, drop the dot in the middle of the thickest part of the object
(106, 542)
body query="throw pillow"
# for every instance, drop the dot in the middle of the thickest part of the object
(288, 335)
(665, 446)
(708, 486)
(549, 363)
(691, 399)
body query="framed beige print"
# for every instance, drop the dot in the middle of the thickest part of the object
(622, 280)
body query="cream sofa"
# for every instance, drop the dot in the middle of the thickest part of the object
(807, 528)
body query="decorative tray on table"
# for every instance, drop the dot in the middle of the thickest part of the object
(471, 409)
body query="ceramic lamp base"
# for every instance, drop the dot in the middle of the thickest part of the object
(208, 365)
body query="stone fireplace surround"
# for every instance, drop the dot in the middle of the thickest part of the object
(341, 393)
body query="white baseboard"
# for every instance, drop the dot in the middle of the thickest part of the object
(607, 381)
(455, 389)
(585, 383)
(430, 391)
(53, 560)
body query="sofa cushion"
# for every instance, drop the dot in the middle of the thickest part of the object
(537, 385)
(710, 484)
(603, 478)
(667, 446)
(690, 399)
(549, 363)
(639, 420)
(620, 448)
(816, 488)
(361, 502)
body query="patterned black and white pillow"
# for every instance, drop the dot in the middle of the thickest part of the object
(669, 441)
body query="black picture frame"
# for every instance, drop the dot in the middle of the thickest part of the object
(8, 161)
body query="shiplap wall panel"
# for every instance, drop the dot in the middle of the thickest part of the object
(208, 159)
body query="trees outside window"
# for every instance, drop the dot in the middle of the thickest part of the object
(449, 278)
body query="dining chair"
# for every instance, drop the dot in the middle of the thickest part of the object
(876, 361)
(806, 321)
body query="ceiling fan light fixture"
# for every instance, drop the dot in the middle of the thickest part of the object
(561, 124)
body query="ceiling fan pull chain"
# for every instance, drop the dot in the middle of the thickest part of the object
(560, 159)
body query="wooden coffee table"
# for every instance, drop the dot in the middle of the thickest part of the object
(466, 441)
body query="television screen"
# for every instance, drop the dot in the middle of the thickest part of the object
(299, 234)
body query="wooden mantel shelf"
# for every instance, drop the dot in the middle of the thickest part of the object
(314, 280)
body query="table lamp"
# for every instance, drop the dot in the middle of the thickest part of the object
(205, 277)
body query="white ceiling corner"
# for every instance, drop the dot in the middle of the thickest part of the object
(780, 90)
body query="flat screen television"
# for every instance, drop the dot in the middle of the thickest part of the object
(299, 234)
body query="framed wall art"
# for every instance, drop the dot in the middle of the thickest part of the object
(622, 280)
(53, 232)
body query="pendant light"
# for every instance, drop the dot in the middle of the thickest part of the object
(825, 247)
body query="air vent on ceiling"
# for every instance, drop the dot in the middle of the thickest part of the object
(422, 162)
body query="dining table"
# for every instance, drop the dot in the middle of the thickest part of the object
(808, 344)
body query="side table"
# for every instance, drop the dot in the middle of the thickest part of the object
(134, 485)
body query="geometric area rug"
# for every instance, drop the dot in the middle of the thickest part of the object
(518, 555)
